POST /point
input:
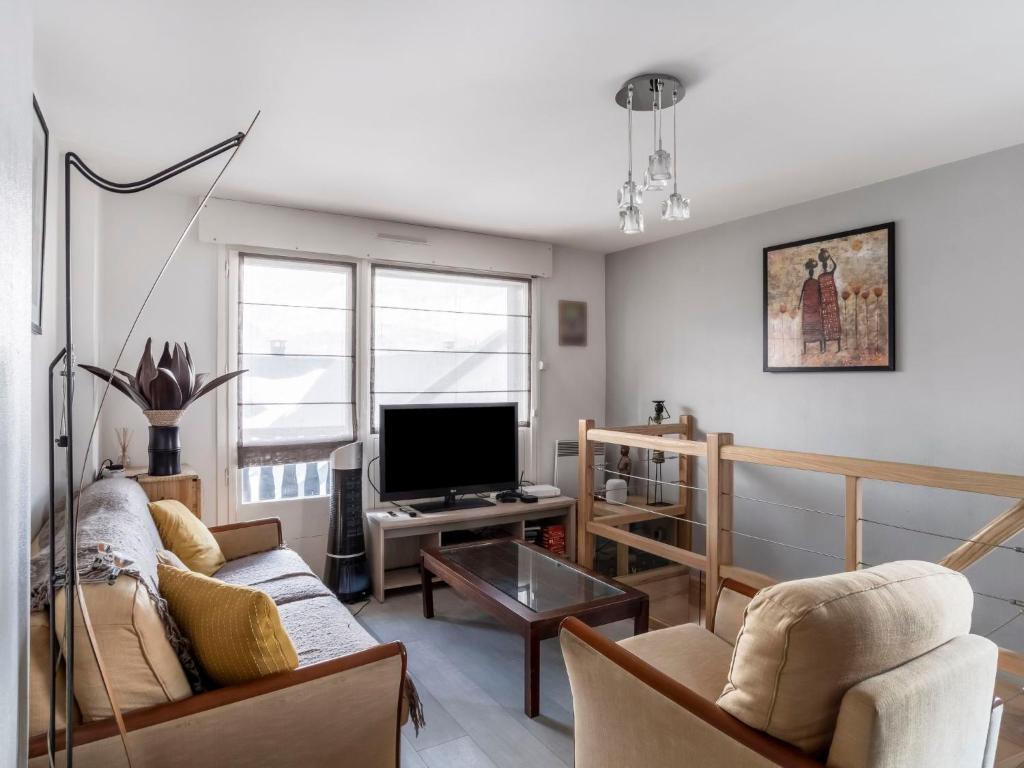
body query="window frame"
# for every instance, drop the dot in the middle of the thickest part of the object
(525, 418)
(229, 318)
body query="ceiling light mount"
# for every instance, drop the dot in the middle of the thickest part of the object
(645, 91)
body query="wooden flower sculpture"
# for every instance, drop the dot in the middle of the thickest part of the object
(165, 389)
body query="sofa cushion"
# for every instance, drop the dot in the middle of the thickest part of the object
(804, 643)
(235, 630)
(321, 628)
(281, 573)
(185, 535)
(688, 654)
(143, 668)
(39, 678)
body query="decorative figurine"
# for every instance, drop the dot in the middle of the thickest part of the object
(655, 495)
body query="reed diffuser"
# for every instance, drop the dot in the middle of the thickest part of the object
(124, 440)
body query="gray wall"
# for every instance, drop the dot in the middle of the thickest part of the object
(685, 323)
(572, 384)
(15, 281)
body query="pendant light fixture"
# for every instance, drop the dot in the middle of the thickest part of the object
(644, 93)
(659, 163)
(675, 207)
(631, 219)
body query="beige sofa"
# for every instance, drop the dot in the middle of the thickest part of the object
(343, 705)
(660, 700)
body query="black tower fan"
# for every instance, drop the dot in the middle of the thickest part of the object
(346, 573)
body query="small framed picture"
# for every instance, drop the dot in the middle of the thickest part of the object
(572, 323)
(829, 302)
(40, 169)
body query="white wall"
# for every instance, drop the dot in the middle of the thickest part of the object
(137, 230)
(15, 367)
(684, 323)
(46, 345)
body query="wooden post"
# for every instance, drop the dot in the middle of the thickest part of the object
(684, 531)
(585, 497)
(854, 526)
(719, 518)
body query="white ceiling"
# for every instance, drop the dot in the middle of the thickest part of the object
(498, 117)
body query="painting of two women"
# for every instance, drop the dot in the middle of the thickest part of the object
(828, 302)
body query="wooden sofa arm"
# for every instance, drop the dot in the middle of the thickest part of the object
(344, 711)
(629, 713)
(240, 539)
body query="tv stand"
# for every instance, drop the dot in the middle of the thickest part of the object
(450, 502)
(394, 538)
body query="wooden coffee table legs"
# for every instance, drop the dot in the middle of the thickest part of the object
(642, 620)
(428, 590)
(531, 626)
(531, 674)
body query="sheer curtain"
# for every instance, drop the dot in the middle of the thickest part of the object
(442, 337)
(296, 403)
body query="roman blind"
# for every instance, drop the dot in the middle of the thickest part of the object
(296, 329)
(444, 337)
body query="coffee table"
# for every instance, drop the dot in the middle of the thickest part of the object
(531, 591)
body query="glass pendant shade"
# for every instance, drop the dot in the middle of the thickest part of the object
(653, 184)
(631, 220)
(675, 208)
(659, 167)
(630, 195)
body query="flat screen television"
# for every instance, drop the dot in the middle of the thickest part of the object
(448, 451)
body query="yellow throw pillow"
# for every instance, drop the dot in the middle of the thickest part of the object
(235, 630)
(185, 535)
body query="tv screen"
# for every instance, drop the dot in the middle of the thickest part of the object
(448, 450)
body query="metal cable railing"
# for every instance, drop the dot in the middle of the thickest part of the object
(643, 479)
(1019, 604)
(650, 510)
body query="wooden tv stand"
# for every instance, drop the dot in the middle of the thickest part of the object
(394, 543)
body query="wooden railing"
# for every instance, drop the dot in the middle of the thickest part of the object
(722, 456)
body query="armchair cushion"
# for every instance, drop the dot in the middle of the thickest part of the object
(805, 643)
(688, 654)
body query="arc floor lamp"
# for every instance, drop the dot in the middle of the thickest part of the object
(67, 578)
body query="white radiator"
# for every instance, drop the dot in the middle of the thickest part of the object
(567, 462)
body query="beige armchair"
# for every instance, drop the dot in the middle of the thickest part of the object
(786, 678)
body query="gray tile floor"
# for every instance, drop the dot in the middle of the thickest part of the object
(469, 672)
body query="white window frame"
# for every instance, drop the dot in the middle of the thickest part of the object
(309, 512)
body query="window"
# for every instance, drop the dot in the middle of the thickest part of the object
(296, 403)
(442, 337)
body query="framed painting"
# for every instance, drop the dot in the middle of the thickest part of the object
(572, 323)
(829, 302)
(40, 169)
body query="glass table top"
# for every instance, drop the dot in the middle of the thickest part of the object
(539, 581)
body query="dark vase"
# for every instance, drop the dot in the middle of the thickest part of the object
(164, 451)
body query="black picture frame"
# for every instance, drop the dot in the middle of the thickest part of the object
(890, 365)
(40, 178)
